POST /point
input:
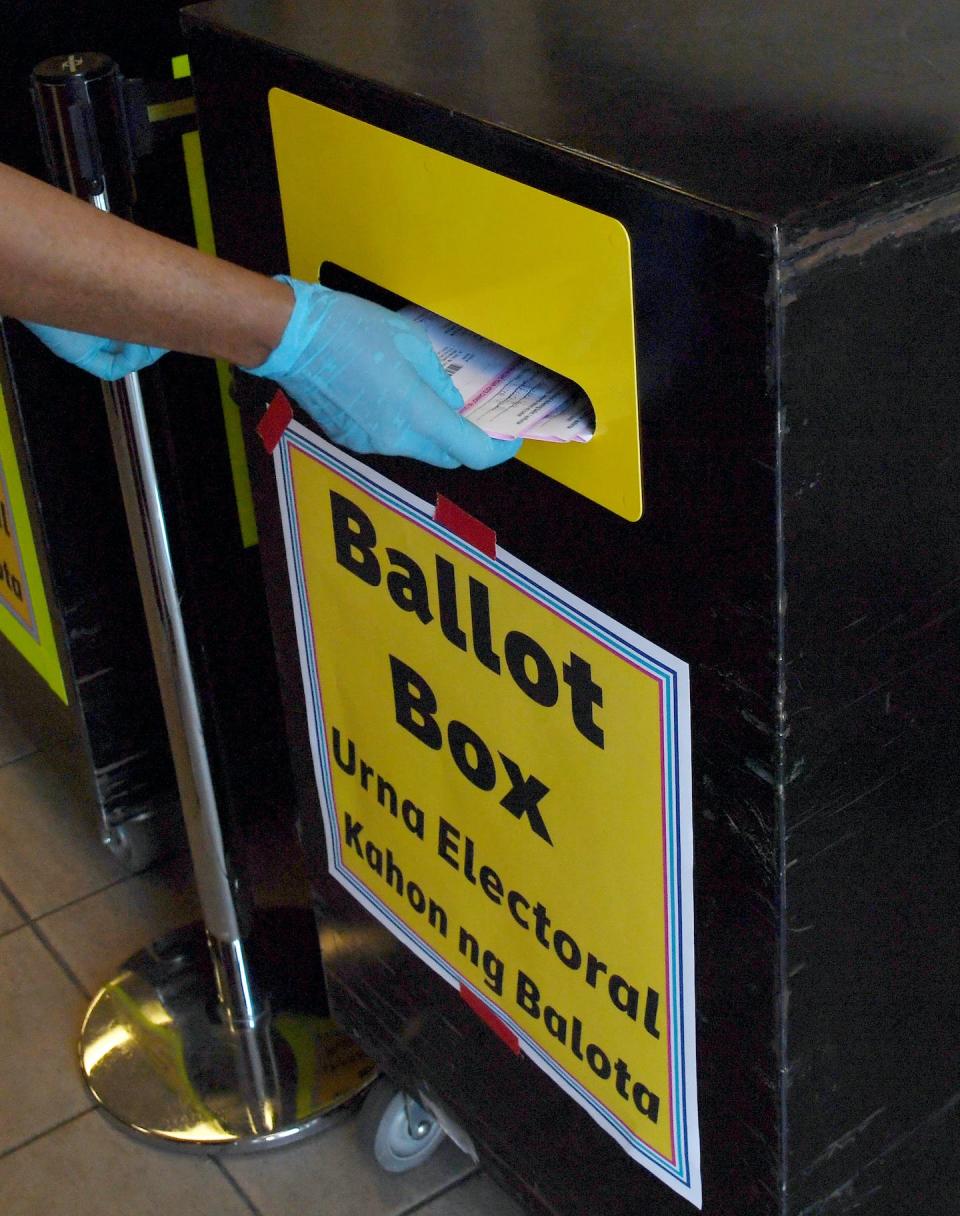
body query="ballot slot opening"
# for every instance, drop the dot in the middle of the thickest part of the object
(504, 393)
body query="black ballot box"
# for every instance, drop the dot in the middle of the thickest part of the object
(627, 770)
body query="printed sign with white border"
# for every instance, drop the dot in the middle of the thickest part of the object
(504, 773)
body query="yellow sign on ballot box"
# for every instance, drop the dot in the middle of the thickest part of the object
(505, 778)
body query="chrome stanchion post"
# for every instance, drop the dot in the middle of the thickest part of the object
(228, 947)
(187, 1045)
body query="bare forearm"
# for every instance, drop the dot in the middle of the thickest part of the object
(64, 263)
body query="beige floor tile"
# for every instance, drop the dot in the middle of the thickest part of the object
(476, 1197)
(87, 1168)
(50, 850)
(40, 1017)
(334, 1174)
(9, 916)
(97, 934)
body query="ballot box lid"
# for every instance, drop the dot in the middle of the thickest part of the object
(771, 110)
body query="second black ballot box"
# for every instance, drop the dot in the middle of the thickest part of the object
(627, 769)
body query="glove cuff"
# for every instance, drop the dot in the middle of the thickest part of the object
(294, 339)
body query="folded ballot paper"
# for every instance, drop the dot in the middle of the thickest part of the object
(506, 395)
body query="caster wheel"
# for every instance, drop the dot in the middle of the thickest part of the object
(139, 842)
(403, 1135)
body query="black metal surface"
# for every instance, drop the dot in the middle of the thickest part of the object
(140, 40)
(72, 484)
(764, 108)
(70, 481)
(798, 548)
(89, 582)
(871, 931)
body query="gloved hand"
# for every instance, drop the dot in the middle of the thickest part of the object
(372, 381)
(102, 357)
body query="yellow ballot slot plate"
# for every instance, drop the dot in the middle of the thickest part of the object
(504, 773)
(535, 273)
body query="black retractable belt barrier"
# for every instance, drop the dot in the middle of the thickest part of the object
(204, 1040)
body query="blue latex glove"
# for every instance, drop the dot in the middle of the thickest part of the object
(102, 357)
(372, 381)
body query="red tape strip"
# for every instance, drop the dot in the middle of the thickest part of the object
(462, 524)
(486, 1014)
(276, 419)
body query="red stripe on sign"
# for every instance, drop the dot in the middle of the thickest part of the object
(276, 419)
(486, 1014)
(448, 515)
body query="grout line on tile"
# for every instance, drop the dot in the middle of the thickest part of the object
(71, 903)
(33, 926)
(78, 899)
(15, 1148)
(5, 890)
(114, 882)
(58, 958)
(444, 1190)
(217, 1161)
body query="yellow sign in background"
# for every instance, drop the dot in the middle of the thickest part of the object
(24, 617)
(499, 787)
(13, 583)
(539, 274)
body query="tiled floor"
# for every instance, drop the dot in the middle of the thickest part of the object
(69, 916)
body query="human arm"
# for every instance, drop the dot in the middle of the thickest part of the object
(64, 263)
(363, 373)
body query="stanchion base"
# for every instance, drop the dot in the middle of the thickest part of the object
(162, 1062)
